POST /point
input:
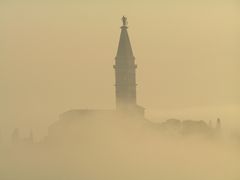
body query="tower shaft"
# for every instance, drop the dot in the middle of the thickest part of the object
(125, 72)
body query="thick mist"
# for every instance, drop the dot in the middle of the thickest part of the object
(113, 149)
(58, 55)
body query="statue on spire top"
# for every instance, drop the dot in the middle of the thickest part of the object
(124, 20)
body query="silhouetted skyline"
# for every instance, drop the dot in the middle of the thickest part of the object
(187, 55)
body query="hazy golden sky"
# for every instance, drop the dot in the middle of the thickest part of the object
(58, 55)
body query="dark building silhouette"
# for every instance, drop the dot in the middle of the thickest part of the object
(126, 98)
(186, 128)
(218, 126)
(125, 75)
(125, 72)
(76, 121)
(16, 139)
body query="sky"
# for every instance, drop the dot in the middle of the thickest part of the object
(58, 55)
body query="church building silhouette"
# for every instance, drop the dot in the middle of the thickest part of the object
(125, 91)
(128, 112)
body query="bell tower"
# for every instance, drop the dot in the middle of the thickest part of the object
(125, 73)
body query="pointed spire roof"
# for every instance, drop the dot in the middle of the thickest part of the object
(124, 46)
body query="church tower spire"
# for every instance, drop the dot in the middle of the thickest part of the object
(125, 52)
(125, 73)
